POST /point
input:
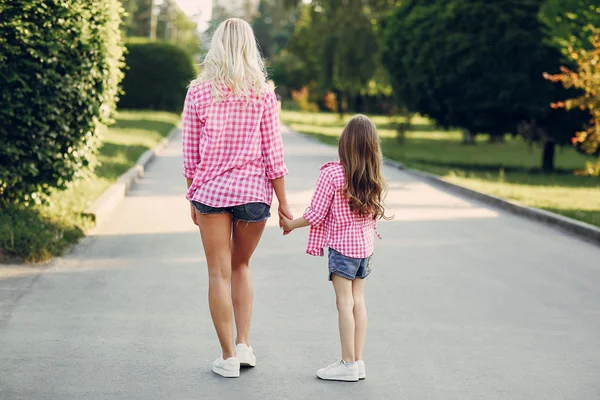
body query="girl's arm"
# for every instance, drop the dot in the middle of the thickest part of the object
(319, 206)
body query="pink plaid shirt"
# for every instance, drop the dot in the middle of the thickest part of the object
(332, 223)
(231, 149)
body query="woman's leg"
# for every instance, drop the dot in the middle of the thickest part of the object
(215, 230)
(360, 317)
(345, 306)
(246, 236)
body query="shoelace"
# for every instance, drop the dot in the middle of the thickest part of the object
(335, 364)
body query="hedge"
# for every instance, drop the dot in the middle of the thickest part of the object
(59, 73)
(156, 76)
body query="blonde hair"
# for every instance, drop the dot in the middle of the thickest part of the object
(359, 150)
(234, 62)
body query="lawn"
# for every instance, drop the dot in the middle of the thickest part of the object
(38, 233)
(509, 170)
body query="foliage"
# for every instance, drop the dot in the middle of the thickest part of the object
(59, 73)
(174, 26)
(330, 102)
(587, 78)
(339, 44)
(302, 99)
(156, 77)
(272, 26)
(137, 21)
(571, 23)
(475, 66)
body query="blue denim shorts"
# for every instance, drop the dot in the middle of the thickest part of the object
(348, 267)
(251, 212)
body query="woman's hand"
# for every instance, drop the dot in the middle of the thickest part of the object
(285, 223)
(284, 211)
(193, 209)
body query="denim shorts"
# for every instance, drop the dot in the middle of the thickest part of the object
(348, 267)
(251, 212)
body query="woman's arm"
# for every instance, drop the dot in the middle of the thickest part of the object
(191, 136)
(272, 151)
(191, 143)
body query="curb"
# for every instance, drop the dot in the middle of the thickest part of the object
(103, 206)
(581, 229)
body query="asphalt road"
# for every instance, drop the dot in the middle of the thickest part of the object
(465, 302)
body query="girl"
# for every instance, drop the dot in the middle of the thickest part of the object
(342, 216)
(233, 160)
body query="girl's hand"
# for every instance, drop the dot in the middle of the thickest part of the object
(285, 223)
(284, 210)
(193, 209)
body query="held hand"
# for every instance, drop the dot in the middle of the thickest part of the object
(193, 210)
(285, 223)
(284, 210)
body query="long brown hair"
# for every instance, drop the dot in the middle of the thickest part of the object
(359, 150)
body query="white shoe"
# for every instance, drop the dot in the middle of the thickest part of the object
(245, 354)
(361, 369)
(339, 371)
(229, 368)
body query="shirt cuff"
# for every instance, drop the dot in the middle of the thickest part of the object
(188, 173)
(310, 216)
(277, 173)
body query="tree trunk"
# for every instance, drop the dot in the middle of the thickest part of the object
(340, 103)
(496, 139)
(468, 137)
(548, 156)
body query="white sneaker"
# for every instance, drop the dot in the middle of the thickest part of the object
(229, 368)
(361, 369)
(339, 371)
(245, 354)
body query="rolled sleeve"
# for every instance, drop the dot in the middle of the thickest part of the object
(321, 200)
(191, 136)
(272, 144)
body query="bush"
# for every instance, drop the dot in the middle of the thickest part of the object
(59, 73)
(302, 99)
(156, 77)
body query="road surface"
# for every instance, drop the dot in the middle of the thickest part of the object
(465, 302)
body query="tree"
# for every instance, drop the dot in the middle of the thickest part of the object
(574, 26)
(341, 37)
(138, 21)
(273, 25)
(571, 23)
(174, 26)
(479, 66)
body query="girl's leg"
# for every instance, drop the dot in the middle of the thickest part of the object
(360, 317)
(345, 306)
(245, 239)
(215, 230)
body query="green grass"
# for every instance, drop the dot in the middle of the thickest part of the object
(38, 233)
(509, 170)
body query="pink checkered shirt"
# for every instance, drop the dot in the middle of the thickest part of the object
(332, 223)
(231, 149)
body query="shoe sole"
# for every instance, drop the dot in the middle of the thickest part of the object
(341, 379)
(248, 363)
(362, 377)
(226, 373)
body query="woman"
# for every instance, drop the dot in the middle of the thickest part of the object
(233, 160)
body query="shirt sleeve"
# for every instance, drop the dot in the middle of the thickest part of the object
(321, 200)
(272, 144)
(191, 137)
